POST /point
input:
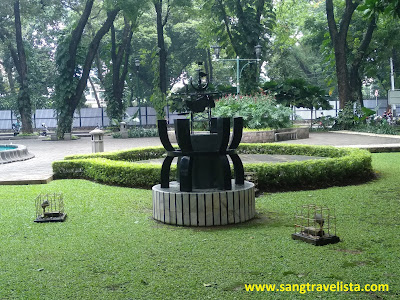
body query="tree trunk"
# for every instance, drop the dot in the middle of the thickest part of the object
(355, 80)
(244, 25)
(356, 86)
(120, 59)
(342, 77)
(66, 114)
(162, 52)
(24, 101)
(338, 38)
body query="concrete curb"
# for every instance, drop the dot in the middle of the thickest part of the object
(368, 134)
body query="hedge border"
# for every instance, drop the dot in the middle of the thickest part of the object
(340, 166)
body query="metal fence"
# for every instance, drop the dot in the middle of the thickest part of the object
(85, 117)
(305, 114)
(92, 117)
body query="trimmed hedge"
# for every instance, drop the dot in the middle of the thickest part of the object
(108, 171)
(135, 154)
(339, 167)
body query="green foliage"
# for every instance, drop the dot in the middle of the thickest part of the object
(238, 26)
(339, 167)
(346, 118)
(325, 122)
(138, 132)
(116, 168)
(298, 50)
(115, 107)
(352, 117)
(110, 172)
(360, 119)
(371, 8)
(258, 111)
(379, 127)
(132, 155)
(299, 93)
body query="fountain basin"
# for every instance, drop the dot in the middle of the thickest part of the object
(204, 208)
(12, 153)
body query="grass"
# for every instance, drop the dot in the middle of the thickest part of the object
(110, 248)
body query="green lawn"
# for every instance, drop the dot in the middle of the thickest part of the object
(110, 248)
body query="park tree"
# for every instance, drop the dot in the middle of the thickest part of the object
(296, 49)
(163, 10)
(384, 46)
(113, 63)
(115, 78)
(39, 29)
(386, 42)
(73, 76)
(161, 21)
(239, 26)
(17, 51)
(348, 72)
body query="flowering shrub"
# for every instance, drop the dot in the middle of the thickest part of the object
(258, 111)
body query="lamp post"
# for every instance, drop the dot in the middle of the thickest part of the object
(137, 64)
(257, 49)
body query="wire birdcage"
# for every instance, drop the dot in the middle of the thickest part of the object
(316, 225)
(50, 208)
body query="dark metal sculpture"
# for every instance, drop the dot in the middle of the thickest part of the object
(202, 157)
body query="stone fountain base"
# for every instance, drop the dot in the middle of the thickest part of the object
(203, 207)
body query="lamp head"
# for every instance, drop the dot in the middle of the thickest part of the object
(217, 50)
(258, 49)
(137, 62)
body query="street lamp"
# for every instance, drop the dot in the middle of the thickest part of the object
(257, 49)
(137, 64)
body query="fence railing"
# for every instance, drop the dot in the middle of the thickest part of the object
(85, 117)
(92, 117)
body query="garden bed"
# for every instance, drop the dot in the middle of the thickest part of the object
(340, 167)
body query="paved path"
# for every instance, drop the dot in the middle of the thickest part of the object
(38, 169)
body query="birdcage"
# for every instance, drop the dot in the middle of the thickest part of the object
(50, 208)
(315, 225)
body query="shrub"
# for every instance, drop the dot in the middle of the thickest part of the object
(138, 132)
(339, 167)
(258, 111)
(360, 119)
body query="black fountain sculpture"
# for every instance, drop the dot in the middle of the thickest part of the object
(204, 193)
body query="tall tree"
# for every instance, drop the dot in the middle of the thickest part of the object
(19, 58)
(161, 21)
(347, 73)
(120, 53)
(244, 24)
(73, 78)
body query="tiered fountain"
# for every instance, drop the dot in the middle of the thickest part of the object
(204, 193)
